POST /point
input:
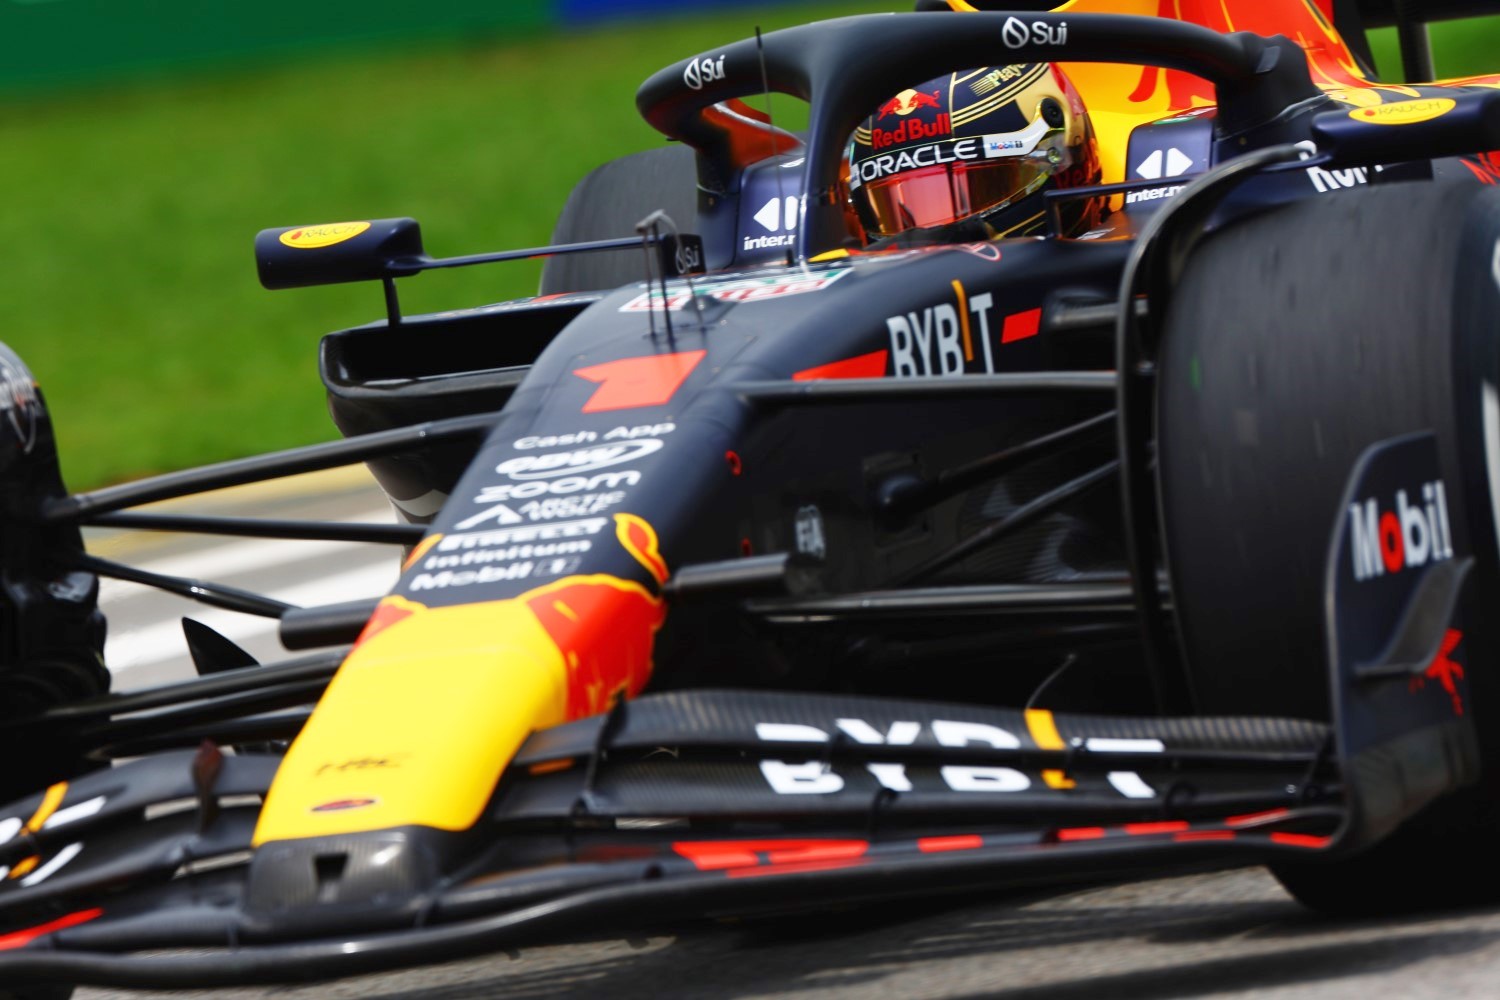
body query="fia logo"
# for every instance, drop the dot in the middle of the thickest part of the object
(810, 538)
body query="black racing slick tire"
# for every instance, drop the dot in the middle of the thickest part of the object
(607, 204)
(51, 630)
(36, 993)
(1293, 341)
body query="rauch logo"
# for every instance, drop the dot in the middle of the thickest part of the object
(1413, 534)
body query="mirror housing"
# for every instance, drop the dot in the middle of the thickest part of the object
(335, 253)
(1424, 127)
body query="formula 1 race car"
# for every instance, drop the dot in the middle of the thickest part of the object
(769, 560)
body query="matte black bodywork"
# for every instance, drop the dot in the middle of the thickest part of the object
(889, 486)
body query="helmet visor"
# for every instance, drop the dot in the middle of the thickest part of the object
(941, 195)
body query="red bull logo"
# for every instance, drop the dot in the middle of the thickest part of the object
(638, 538)
(388, 612)
(452, 691)
(1329, 59)
(1445, 671)
(604, 626)
(908, 101)
(912, 130)
(1485, 166)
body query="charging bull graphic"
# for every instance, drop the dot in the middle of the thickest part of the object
(452, 692)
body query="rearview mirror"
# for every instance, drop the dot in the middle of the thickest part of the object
(334, 253)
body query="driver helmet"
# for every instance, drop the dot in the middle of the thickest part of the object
(968, 156)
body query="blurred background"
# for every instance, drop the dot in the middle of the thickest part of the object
(144, 142)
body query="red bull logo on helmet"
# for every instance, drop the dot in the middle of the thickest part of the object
(1408, 535)
(911, 130)
(908, 101)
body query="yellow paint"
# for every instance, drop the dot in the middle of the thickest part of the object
(637, 537)
(1057, 779)
(390, 610)
(421, 549)
(1107, 88)
(838, 254)
(449, 692)
(51, 799)
(1362, 97)
(316, 237)
(963, 319)
(995, 99)
(1023, 224)
(1405, 112)
(550, 766)
(1043, 729)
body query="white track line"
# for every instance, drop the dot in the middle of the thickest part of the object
(147, 650)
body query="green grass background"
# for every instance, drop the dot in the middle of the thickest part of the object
(125, 235)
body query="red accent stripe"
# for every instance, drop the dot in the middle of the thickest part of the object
(870, 365)
(816, 850)
(715, 855)
(20, 939)
(1081, 833)
(1191, 835)
(796, 866)
(386, 615)
(1483, 177)
(1299, 840)
(747, 142)
(1021, 325)
(1248, 819)
(961, 842)
(1166, 826)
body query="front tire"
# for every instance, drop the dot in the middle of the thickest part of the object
(51, 631)
(37, 993)
(1294, 341)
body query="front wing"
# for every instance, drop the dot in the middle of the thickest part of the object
(680, 806)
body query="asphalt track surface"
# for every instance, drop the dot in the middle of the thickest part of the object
(1223, 934)
(1231, 934)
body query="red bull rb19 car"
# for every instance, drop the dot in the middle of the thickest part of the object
(775, 559)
